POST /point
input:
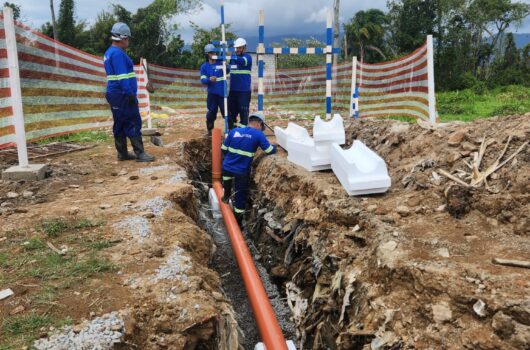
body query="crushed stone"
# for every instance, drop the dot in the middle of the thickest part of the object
(157, 205)
(178, 177)
(175, 266)
(135, 225)
(99, 334)
(154, 169)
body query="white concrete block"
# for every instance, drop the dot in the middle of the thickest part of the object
(293, 131)
(359, 169)
(311, 155)
(332, 131)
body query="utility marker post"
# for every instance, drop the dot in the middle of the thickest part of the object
(24, 171)
(329, 50)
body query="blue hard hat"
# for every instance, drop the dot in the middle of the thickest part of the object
(209, 48)
(120, 31)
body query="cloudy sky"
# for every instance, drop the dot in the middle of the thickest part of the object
(281, 16)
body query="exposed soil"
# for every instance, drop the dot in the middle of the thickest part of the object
(408, 269)
(404, 269)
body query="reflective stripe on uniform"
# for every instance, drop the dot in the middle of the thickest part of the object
(237, 210)
(246, 62)
(269, 149)
(225, 178)
(121, 76)
(204, 77)
(242, 71)
(223, 147)
(240, 152)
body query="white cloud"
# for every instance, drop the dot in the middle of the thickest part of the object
(318, 17)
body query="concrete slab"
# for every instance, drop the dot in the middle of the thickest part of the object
(150, 132)
(30, 173)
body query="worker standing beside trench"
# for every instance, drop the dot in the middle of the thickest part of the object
(239, 148)
(121, 96)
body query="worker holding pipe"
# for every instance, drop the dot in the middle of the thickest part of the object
(239, 149)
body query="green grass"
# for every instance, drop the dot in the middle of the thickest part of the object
(53, 227)
(23, 330)
(468, 105)
(82, 136)
(99, 245)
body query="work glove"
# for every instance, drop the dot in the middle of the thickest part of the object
(131, 100)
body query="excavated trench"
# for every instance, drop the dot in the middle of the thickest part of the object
(196, 158)
(409, 269)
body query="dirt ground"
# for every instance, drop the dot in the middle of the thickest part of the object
(411, 268)
(408, 269)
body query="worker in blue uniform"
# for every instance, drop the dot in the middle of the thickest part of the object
(121, 96)
(240, 85)
(239, 148)
(212, 77)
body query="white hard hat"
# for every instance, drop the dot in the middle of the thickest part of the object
(240, 42)
(257, 115)
(120, 31)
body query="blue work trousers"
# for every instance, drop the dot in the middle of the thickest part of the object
(127, 119)
(214, 103)
(241, 184)
(238, 104)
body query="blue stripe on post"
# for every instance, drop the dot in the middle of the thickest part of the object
(328, 71)
(269, 50)
(218, 42)
(356, 115)
(261, 34)
(222, 14)
(286, 50)
(260, 103)
(328, 105)
(302, 50)
(329, 35)
(261, 65)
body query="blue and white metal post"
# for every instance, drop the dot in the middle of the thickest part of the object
(329, 58)
(260, 52)
(223, 55)
(354, 101)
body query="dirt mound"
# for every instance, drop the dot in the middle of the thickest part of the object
(411, 268)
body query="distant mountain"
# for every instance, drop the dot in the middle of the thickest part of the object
(521, 39)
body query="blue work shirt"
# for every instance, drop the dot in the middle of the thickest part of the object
(213, 70)
(240, 77)
(240, 146)
(121, 78)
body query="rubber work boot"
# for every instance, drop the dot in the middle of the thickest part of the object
(138, 146)
(209, 126)
(121, 146)
(239, 219)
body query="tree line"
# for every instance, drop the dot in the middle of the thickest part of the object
(472, 44)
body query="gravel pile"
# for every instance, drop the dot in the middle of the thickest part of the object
(99, 334)
(157, 205)
(135, 225)
(179, 176)
(175, 267)
(154, 169)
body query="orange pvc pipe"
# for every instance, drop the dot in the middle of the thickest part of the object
(269, 329)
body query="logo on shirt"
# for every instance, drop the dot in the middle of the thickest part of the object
(237, 134)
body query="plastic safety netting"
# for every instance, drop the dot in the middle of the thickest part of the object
(63, 88)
